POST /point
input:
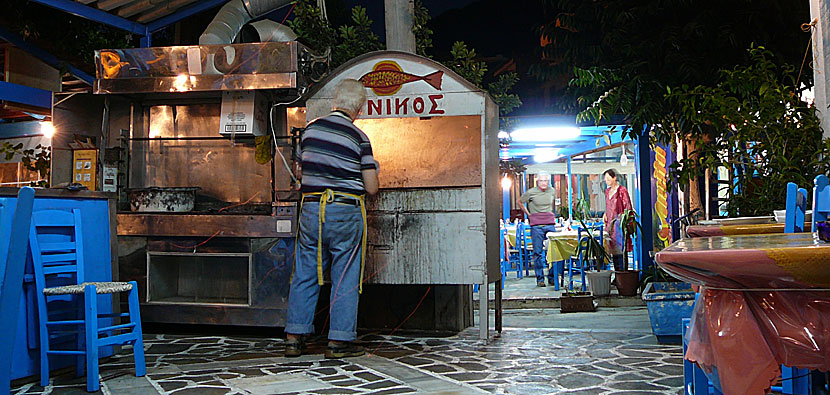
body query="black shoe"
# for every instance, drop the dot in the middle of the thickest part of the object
(344, 350)
(294, 348)
(551, 283)
(540, 284)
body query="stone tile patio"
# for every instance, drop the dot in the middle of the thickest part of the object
(519, 361)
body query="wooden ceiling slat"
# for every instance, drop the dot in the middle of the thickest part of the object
(136, 7)
(108, 5)
(163, 10)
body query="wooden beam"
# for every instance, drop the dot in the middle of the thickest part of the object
(135, 8)
(108, 5)
(163, 10)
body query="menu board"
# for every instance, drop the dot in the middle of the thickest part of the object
(85, 163)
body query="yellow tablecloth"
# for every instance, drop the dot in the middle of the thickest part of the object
(562, 245)
(511, 236)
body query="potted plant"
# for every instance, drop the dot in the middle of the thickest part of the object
(628, 281)
(576, 301)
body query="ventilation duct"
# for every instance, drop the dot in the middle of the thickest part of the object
(232, 16)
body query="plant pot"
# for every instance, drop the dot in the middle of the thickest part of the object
(579, 302)
(599, 282)
(627, 282)
(668, 303)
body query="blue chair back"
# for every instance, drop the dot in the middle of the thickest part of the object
(57, 248)
(821, 200)
(796, 208)
(13, 251)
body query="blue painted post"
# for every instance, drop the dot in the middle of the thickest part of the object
(14, 262)
(146, 41)
(505, 208)
(643, 164)
(570, 192)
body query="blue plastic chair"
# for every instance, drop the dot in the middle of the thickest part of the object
(13, 253)
(56, 242)
(821, 200)
(796, 207)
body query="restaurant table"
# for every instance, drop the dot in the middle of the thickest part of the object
(732, 230)
(764, 302)
(561, 246)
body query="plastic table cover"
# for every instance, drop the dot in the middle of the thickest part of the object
(730, 230)
(763, 303)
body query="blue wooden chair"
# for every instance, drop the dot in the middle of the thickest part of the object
(13, 253)
(794, 380)
(56, 242)
(526, 249)
(796, 207)
(821, 200)
(577, 263)
(521, 247)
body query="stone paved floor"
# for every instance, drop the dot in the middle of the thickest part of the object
(616, 355)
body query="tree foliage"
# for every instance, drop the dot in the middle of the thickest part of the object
(626, 53)
(311, 28)
(68, 37)
(465, 64)
(356, 39)
(423, 34)
(752, 123)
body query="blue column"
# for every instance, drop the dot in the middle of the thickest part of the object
(643, 203)
(505, 209)
(570, 192)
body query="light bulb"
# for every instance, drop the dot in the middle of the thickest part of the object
(48, 129)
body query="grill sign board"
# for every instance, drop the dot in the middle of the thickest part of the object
(400, 86)
(387, 78)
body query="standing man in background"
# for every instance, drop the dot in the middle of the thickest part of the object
(538, 203)
(337, 169)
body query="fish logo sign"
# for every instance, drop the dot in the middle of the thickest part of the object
(387, 77)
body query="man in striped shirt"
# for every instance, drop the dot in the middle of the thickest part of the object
(337, 169)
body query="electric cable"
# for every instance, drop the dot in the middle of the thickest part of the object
(274, 135)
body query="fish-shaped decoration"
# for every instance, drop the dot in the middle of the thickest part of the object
(387, 77)
(111, 64)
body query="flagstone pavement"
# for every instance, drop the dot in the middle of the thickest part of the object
(610, 351)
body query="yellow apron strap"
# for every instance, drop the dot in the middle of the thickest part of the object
(326, 197)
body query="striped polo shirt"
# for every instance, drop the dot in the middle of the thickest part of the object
(333, 151)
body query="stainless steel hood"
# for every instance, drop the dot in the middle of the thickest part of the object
(230, 67)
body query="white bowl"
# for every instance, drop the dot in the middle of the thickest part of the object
(781, 215)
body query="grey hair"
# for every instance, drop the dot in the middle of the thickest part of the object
(543, 175)
(349, 96)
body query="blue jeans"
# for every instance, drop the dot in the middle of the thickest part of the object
(341, 236)
(537, 235)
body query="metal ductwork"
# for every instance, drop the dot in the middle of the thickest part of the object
(265, 31)
(233, 15)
